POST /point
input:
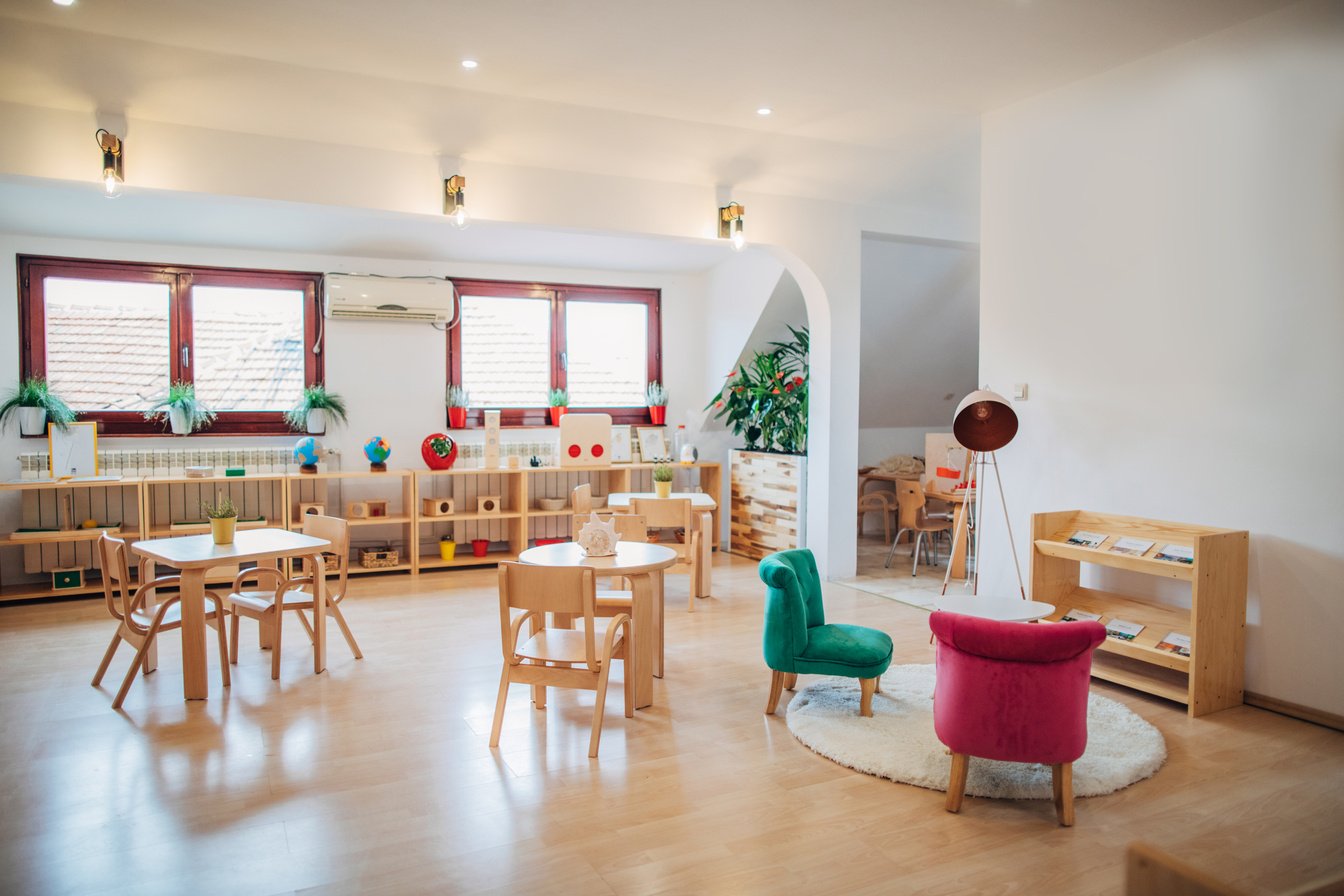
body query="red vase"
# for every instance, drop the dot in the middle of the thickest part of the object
(438, 450)
(657, 414)
(479, 547)
(457, 418)
(556, 414)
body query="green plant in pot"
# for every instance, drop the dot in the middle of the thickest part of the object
(559, 405)
(316, 408)
(223, 516)
(181, 409)
(662, 480)
(33, 402)
(655, 396)
(766, 399)
(458, 399)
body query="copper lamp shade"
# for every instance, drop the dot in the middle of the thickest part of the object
(984, 421)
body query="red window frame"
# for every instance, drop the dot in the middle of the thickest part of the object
(558, 294)
(33, 271)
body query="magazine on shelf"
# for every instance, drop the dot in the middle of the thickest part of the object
(1176, 553)
(1087, 539)
(1125, 631)
(1134, 547)
(1076, 615)
(1175, 642)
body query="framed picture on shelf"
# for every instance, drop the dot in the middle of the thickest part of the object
(72, 451)
(620, 445)
(653, 443)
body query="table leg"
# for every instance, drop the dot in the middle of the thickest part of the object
(195, 683)
(659, 618)
(319, 614)
(960, 522)
(702, 566)
(639, 658)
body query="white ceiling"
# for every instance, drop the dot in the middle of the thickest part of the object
(879, 98)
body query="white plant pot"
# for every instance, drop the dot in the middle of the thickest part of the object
(32, 421)
(317, 421)
(179, 422)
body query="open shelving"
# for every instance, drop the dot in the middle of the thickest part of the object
(1208, 680)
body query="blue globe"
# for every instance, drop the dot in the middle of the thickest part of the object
(377, 450)
(306, 451)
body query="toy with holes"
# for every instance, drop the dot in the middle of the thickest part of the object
(436, 506)
(312, 509)
(488, 505)
(585, 440)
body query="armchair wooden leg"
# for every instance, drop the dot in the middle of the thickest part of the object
(1061, 775)
(107, 658)
(499, 706)
(877, 688)
(135, 667)
(790, 680)
(867, 686)
(599, 708)
(776, 688)
(345, 630)
(956, 784)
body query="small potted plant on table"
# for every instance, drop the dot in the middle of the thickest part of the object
(35, 404)
(184, 413)
(458, 402)
(559, 405)
(655, 396)
(315, 409)
(662, 480)
(223, 516)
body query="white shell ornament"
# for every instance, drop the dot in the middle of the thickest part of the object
(596, 538)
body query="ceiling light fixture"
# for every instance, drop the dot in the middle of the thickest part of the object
(764, 110)
(455, 200)
(64, 2)
(730, 225)
(112, 158)
(469, 63)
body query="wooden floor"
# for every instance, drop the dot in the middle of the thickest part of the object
(376, 777)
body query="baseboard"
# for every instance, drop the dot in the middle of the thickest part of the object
(1296, 710)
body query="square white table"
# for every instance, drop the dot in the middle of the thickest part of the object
(194, 555)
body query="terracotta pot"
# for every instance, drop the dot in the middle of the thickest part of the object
(556, 414)
(479, 546)
(222, 528)
(457, 418)
(657, 414)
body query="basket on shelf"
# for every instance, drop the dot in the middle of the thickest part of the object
(379, 557)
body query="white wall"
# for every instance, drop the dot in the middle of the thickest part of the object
(1161, 256)
(877, 443)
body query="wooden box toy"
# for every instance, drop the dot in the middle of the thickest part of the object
(66, 578)
(585, 440)
(436, 506)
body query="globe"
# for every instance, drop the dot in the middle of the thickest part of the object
(377, 450)
(306, 451)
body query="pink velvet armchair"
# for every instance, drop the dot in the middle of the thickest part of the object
(1015, 692)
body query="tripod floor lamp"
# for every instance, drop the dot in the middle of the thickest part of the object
(984, 423)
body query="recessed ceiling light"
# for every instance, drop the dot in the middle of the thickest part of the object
(64, 2)
(764, 110)
(469, 63)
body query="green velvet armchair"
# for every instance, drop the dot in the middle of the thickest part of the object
(798, 640)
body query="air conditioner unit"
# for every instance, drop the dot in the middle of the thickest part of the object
(366, 297)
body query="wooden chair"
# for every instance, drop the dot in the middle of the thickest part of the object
(140, 625)
(882, 503)
(631, 527)
(666, 513)
(910, 498)
(563, 657)
(288, 593)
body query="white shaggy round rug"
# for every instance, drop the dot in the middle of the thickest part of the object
(898, 741)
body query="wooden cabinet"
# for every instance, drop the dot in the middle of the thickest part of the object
(488, 505)
(1211, 678)
(768, 492)
(380, 508)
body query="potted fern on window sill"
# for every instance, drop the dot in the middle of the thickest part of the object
(34, 403)
(316, 408)
(458, 402)
(185, 414)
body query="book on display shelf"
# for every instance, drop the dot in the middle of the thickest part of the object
(1175, 642)
(1122, 630)
(1077, 615)
(1176, 553)
(1087, 539)
(1134, 547)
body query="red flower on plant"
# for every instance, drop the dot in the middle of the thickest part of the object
(797, 381)
(739, 389)
(718, 404)
(775, 391)
(780, 375)
(788, 387)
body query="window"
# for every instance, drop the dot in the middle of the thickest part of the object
(111, 336)
(518, 341)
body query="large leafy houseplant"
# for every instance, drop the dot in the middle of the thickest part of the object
(765, 400)
(33, 392)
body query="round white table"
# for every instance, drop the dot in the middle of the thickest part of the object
(1004, 609)
(643, 565)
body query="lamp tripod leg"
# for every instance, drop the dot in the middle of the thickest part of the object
(1003, 500)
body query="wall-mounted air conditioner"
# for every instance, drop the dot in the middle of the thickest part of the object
(368, 297)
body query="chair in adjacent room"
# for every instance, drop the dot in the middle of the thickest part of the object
(883, 504)
(560, 657)
(675, 513)
(798, 639)
(914, 519)
(138, 624)
(1015, 692)
(268, 606)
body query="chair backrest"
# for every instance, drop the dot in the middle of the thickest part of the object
(547, 589)
(910, 503)
(630, 527)
(1012, 690)
(117, 593)
(337, 531)
(582, 499)
(792, 605)
(662, 513)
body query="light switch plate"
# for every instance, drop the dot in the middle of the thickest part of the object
(1020, 392)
